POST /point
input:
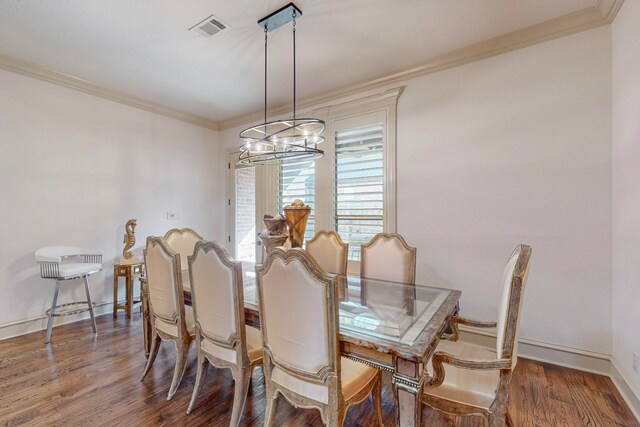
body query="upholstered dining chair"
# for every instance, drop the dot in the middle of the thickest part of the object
(182, 241)
(300, 341)
(170, 319)
(472, 380)
(329, 251)
(221, 336)
(388, 257)
(63, 263)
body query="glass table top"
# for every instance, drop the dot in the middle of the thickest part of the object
(390, 311)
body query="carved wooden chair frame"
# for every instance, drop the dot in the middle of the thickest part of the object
(334, 412)
(496, 414)
(338, 240)
(182, 231)
(184, 339)
(241, 370)
(389, 236)
(412, 266)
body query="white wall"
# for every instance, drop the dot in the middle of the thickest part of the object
(73, 169)
(626, 190)
(515, 148)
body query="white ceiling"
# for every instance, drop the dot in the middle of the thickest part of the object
(142, 47)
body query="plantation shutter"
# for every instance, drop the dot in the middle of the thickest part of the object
(359, 185)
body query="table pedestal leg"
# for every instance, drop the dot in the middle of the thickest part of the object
(408, 383)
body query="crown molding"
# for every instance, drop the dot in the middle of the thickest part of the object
(609, 9)
(602, 13)
(37, 72)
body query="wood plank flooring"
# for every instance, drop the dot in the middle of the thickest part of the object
(87, 380)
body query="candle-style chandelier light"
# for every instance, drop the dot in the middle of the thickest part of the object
(290, 140)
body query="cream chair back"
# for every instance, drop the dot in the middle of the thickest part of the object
(182, 241)
(388, 257)
(299, 323)
(329, 251)
(218, 301)
(164, 282)
(514, 281)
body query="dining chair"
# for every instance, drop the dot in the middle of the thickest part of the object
(63, 263)
(471, 380)
(171, 320)
(218, 308)
(329, 251)
(300, 341)
(388, 257)
(182, 241)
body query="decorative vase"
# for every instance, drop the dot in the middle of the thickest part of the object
(275, 226)
(270, 242)
(297, 214)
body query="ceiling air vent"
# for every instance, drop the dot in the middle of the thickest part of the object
(209, 27)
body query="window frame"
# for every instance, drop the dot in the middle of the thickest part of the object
(381, 107)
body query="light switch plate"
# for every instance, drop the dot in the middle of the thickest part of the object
(636, 363)
(173, 215)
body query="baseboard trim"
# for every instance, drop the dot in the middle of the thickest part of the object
(629, 394)
(39, 323)
(568, 357)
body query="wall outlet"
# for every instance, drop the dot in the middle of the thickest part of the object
(173, 215)
(636, 363)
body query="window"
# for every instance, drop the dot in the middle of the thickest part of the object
(351, 189)
(298, 181)
(359, 185)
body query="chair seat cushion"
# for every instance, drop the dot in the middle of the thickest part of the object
(76, 269)
(172, 329)
(254, 347)
(254, 343)
(467, 386)
(355, 376)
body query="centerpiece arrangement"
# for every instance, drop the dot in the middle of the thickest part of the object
(295, 219)
(297, 214)
(274, 234)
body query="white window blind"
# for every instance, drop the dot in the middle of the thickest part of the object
(298, 181)
(359, 185)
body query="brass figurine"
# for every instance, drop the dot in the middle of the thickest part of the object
(129, 238)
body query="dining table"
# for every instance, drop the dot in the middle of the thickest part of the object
(392, 326)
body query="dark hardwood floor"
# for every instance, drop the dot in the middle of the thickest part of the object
(82, 379)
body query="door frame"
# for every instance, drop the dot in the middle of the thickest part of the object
(265, 200)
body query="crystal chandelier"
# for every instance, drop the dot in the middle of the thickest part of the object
(290, 140)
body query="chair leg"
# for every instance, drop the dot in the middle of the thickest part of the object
(47, 338)
(155, 345)
(497, 420)
(178, 372)
(376, 397)
(93, 318)
(334, 418)
(270, 411)
(508, 420)
(242, 380)
(203, 364)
